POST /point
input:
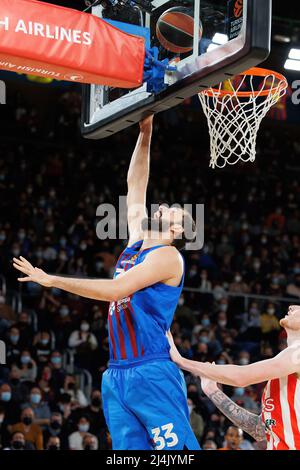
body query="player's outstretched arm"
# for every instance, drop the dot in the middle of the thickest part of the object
(137, 181)
(251, 423)
(282, 365)
(159, 266)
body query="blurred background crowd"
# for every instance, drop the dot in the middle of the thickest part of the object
(236, 288)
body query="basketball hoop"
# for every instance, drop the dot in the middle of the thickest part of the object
(234, 112)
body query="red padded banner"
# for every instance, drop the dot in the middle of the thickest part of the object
(50, 41)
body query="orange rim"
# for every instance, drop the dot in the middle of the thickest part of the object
(256, 72)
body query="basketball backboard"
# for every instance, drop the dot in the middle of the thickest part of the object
(235, 36)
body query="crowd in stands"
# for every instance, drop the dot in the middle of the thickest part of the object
(51, 183)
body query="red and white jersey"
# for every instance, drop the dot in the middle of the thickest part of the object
(281, 413)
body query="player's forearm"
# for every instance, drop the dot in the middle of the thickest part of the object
(227, 375)
(138, 172)
(96, 289)
(248, 422)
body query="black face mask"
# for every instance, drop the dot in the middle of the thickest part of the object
(17, 445)
(53, 447)
(27, 420)
(96, 402)
(55, 425)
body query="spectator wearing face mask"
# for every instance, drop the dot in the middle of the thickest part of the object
(58, 373)
(243, 398)
(239, 285)
(42, 347)
(41, 409)
(57, 428)
(96, 418)
(27, 367)
(13, 345)
(270, 324)
(18, 442)
(31, 431)
(85, 343)
(10, 407)
(76, 438)
(89, 442)
(19, 389)
(78, 398)
(53, 443)
(196, 420)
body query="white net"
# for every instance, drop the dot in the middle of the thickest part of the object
(234, 115)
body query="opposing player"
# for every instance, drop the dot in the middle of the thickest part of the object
(279, 422)
(144, 392)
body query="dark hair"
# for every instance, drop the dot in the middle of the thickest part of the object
(183, 238)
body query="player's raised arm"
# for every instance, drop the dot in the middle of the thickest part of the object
(137, 181)
(282, 365)
(159, 266)
(249, 422)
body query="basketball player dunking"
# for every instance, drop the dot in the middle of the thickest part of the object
(279, 422)
(144, 394)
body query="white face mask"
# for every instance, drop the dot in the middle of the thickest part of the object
(244, 361)
(84, 327)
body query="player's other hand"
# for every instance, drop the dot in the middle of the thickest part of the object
(174, 353)
(146, 124)
(31, 274)
(208, 386)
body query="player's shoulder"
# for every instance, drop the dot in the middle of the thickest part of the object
(167, 253)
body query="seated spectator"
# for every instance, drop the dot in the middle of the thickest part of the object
(10, 407)
(96, 418)
(76, 438)
(18, 442)
(84, 342)
(196, 420)
(41, 408)
(57, 428)
(89, 442)
(242, 396)
(25, 328)
(270, 324)
(42, 347)
(78, 398)
(13, 345)
(293, 288)
(19, 389)
(31, 431)
(209, 444)
(233, 438)
(58, 373)
(53, 443)
(27, 367)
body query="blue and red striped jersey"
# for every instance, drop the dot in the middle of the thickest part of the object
(138, 324)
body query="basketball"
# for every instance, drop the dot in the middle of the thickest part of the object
(175, 29)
